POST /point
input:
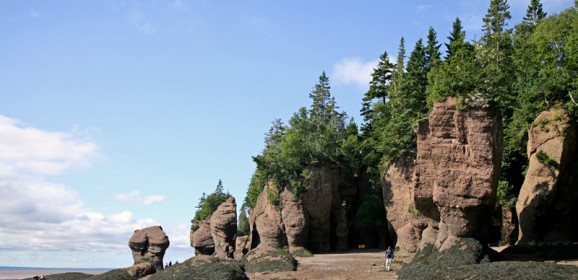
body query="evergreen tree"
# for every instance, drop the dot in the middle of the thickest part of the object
(432, 50)
(496, 58)
(209, 203)
(456, 38)
(243, 227)
(534, 12)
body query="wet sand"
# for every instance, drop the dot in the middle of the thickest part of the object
(24, 274)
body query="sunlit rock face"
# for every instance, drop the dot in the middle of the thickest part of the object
(458, 160)
(224, 227)
(148, 245)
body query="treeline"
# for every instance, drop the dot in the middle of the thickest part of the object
(520, 71)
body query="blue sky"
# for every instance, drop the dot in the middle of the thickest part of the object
(117, 115)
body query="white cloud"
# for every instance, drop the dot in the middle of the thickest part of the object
(353, 71)
(30, 150)
(136, 197)
(152, 199)
(44, 223)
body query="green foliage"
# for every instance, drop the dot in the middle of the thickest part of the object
(370, 214)
(209, 203)
(243, 227)
(545, 159)
(505, 198)
(412, 210)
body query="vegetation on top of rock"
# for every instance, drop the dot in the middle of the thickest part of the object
(314, 136)
(209, 203)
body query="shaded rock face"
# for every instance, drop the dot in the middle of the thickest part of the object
(317, 221)
(546, 204)
(202, 239)
(295, 222)
(223, 223)
(148, 245)
(328, 191)
(407, 223)
(457, 167)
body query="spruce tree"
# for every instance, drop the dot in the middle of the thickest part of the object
(534, 12)
(456, 38)
(496, 51)
(432, 50)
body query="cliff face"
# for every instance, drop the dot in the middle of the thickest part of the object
(547, 203)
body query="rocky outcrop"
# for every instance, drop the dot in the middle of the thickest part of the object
(223, 224)
(203, 267)
(458, 160)
(295, 222)
(148, 245)
(265, 221)
(202, 239)
(316, 220)
(454, 185)
(547, 204)
(269, 260)
(242, 246)
(407, 223)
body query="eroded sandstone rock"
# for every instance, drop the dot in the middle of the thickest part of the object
(202, 239)
(265, 221)
(458, 161)
(223, 223)
(547, 199)
(295, 222)
(148, 245)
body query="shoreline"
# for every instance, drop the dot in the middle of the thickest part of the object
(29, 273)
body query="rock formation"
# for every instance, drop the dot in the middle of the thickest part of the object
(328, 190)
(148, 245)
(265, 221)
(223, 224)
(295, 222)
(407, 224)
(457, 167)
(202, 239)
(242, 246)
(547, 204)
(202, 267)
(316, 221)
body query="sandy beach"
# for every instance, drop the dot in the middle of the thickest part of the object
(23, 274)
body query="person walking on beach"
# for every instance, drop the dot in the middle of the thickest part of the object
(388, 258)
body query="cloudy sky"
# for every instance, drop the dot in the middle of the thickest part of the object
(118, 114)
